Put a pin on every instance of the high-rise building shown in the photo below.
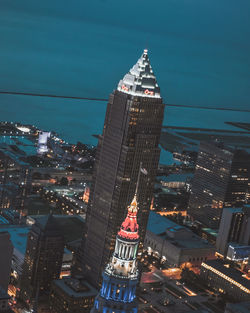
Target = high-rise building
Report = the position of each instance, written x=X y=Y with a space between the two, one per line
x=238 y=188
x=234 y=228
x=221 y=178
x=43 y=259
x=15 y=180
x=6 y=251
x=120 y=276
x=130 y=137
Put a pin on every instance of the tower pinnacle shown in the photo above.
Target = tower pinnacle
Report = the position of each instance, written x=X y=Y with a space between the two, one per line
x=140 y=80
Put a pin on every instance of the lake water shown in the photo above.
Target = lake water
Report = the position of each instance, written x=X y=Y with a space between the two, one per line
x=199 y=50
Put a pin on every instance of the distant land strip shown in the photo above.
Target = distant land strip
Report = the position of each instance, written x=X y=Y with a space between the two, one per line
x=103 y=99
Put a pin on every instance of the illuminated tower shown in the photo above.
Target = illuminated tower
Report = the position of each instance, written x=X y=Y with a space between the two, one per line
x=131 y=135
x=120 y=276
x=42 y=142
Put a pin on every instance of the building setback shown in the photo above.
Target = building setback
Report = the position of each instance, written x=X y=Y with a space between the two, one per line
x=43 y=259
x=130 y=137
x=221 y=178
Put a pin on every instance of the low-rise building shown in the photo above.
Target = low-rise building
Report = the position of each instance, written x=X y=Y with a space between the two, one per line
x=70 y=295
x=177 y=244
x=225 y=279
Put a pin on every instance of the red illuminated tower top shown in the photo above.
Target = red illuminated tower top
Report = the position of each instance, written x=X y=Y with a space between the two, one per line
x=129 y=228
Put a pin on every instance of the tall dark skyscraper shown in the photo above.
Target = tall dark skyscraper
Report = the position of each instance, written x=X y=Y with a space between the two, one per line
x=221 y=178
x=43 y=258
x=130 y=136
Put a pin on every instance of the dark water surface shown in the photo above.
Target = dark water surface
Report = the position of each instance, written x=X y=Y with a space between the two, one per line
x=199 y=49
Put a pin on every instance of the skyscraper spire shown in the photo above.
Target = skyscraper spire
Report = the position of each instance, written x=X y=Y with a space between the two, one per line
x=129 y=228
x=131 y=134
x=140 y=80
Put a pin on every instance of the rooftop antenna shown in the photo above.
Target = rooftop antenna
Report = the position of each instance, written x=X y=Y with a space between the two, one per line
x=138 y=179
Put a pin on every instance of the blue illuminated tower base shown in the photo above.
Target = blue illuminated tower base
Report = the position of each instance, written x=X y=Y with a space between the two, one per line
x=120 y=277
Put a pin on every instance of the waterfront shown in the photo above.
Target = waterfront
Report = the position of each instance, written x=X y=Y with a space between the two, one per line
x=78 y=120
x=57 y=48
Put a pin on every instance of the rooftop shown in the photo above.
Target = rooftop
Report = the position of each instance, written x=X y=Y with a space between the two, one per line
x=72 y=226
x=75 y=288
x=180 y=177
x=140 y=80
x=210 y=231
x=18 y=235
x=164 y=228
x=158 y=224
x=228 y=271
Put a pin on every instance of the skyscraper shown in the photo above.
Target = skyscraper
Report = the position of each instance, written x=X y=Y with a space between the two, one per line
x=120 y=276
x=43 y=258
x=130 y=136
x=221 y=179
x=234 y=228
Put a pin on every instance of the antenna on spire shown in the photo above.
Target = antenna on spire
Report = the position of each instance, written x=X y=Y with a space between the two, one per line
x=138 y=179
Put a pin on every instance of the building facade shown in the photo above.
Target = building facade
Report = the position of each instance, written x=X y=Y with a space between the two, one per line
x=6 y=251
x=234 y=228
x=174 y=244
x=221 y=179
x=70 y=295
x=130 y=137
x=226 y=280
x=43 y=259
x=120 y=277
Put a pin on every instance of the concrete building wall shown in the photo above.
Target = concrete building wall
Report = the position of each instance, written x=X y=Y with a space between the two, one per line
x=222 y=238
x=174 y=254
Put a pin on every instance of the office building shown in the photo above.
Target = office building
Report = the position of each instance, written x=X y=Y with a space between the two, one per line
x=174 y=244
x=226 y=280
x=70 y=295
x=130 y=137
x=43 y=259
x=6 y=251
x=120 y=276
x=221 y=178
x=234 y=229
